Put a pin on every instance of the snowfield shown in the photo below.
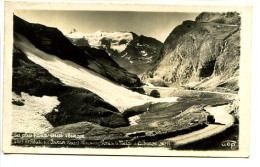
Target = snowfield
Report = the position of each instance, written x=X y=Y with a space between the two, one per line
x=94 y=39
x=75 y=75
x=29 y=118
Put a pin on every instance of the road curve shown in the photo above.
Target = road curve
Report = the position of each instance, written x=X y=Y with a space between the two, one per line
x=223 y=121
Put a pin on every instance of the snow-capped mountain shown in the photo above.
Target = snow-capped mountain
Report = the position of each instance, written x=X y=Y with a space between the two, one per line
x=132 y=52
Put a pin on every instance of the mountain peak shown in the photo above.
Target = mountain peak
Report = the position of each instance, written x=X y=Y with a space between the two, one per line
x=73 y=31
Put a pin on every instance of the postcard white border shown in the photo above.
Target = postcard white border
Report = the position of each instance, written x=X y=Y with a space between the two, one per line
x=245 y=76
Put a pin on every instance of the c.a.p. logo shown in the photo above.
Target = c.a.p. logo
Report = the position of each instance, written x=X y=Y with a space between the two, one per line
x=230 y=144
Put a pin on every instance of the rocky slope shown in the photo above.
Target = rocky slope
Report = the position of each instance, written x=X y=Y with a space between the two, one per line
x=132 y=52
x=52 y=41
x=76 y=104
x=202 y=54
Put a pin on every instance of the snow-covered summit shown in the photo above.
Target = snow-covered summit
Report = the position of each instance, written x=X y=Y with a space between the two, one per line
x=114 y=40
x=133 y=52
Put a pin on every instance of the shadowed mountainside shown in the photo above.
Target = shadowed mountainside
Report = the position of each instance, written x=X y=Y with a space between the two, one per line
x=52 y=41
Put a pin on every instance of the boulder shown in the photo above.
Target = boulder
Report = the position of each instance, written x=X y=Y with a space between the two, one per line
x=155 y=93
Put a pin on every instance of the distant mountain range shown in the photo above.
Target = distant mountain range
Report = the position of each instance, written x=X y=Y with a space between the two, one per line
x=132 y=52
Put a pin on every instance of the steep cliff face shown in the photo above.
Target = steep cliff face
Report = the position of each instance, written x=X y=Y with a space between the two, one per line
x=202 y=54
x=52 y=41
x=132 y=52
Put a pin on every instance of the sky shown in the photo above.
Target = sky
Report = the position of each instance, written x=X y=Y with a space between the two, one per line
x=153 y=24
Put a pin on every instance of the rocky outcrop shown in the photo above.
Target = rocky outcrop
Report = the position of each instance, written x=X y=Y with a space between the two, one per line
x=203 y=53
x=232 y=18
x=76 y=104
x=52 y=41
x=132 y=52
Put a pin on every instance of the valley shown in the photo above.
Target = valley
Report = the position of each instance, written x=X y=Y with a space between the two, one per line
x=78 y=86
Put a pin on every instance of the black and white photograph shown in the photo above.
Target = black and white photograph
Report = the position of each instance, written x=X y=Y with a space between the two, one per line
x=156 y=81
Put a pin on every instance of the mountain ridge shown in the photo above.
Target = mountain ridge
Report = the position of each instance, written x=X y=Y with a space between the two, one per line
x=131 y=51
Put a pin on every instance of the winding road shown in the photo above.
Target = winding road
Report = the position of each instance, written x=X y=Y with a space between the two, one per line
x=223 y=121
x=221 y=114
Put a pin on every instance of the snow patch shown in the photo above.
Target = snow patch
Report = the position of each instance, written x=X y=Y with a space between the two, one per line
x=144 y=54
x=119 y=48
x=29 y=118
x=133 y=120
x=124 y=55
